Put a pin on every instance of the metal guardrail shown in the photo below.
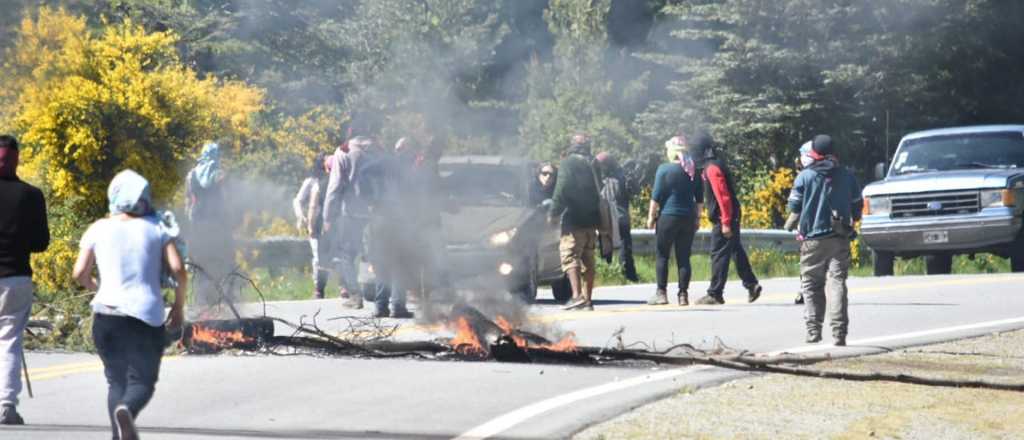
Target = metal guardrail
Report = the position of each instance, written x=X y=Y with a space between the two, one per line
x=286 y=252
x=778 y=239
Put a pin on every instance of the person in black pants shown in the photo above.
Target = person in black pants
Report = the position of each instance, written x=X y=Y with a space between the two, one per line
x=724 y=213
x=674 y=213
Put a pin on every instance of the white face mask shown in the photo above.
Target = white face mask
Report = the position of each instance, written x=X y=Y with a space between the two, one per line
x=806 y=161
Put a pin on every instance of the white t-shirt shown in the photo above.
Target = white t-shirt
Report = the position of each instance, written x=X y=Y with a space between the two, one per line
x=129 y=257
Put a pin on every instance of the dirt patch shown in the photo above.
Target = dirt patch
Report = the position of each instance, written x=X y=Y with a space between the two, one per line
x=779 y=406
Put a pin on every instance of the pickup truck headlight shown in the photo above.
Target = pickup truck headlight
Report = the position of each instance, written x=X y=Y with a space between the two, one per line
x=997 y=198
x=877 y=206
x=502 y=238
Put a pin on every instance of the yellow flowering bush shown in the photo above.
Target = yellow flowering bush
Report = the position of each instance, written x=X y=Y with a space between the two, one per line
x=87 y=106
x=764 y=198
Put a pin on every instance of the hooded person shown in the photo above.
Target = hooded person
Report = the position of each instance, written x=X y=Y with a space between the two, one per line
x=576 y=201
x=211 y=247
x=23 y=231
x=724 y=212
x=826 y=201
x=129 y=249
x=674 y=213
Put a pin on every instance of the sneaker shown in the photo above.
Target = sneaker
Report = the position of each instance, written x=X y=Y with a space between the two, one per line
x=343 y=294
x=10 y=416
x=753 y=293
x=578 y=304
x=381 y=313
x=353 y=302
x=708 y=300
x=813 y=337
x=660 y=298
x=318 y=294
x=839 y=341
x=683 y=297
x=401 y=313
x=799 y=299
x=125 y=423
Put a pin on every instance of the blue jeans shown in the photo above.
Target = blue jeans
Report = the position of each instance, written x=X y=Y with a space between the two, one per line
x=131 y=351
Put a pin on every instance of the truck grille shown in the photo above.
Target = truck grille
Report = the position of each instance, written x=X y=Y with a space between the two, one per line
x=935 y=204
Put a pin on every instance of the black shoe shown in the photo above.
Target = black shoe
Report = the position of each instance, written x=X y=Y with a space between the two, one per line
x=10 y=416
x=813 y=338
x=683 y=297
x=125 y=423
x=753 y=293
x=401 y=313
x=631 y=276
x=799 y=299
x=381 y=313
x=839 y=341
x=719 y=299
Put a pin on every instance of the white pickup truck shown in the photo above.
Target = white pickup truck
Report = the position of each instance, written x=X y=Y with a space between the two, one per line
x=948 y=191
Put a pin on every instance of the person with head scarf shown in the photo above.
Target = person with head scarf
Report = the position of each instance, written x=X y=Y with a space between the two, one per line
x=23 y=231
x=308 y=208
x=576 y=202
x=723 y=206
x=826 y=202
x=674 y=214
x=614 y=188
x=129 y=249
x=211 y=247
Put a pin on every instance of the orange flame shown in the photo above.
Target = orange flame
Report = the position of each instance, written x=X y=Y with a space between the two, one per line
x=466 y=340
x=218 y=338
x=567 y=343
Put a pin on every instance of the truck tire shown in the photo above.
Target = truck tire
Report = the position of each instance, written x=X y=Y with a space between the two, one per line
x=938 y=264
x=884 y=263
x=562 y=290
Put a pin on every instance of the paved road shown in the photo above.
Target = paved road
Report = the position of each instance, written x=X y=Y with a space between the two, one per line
x=246 y=397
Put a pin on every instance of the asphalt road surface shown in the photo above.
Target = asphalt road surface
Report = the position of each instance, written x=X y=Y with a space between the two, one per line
x=300 y=397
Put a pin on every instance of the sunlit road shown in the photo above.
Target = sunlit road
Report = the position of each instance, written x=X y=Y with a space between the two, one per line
x=238 y=397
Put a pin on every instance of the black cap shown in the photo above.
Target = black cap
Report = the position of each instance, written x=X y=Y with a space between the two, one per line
x=702 y=146
x=822 y=144
x=8 y=141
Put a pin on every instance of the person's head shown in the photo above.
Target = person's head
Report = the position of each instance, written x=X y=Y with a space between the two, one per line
x=129 y=194
x=211 y=152
x=319 y=167
x=821 y=147
x=360 y=143
x=701 y=146
x=547 y=174
x=579 y=144
x=8 y=156
x=675 y=147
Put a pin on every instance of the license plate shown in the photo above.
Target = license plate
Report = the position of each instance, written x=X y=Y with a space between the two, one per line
x=936 y=237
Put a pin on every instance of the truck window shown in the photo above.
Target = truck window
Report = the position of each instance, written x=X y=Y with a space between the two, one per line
x=961 y=151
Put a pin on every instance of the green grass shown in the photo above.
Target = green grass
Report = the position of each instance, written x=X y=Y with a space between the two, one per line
x=293 y=284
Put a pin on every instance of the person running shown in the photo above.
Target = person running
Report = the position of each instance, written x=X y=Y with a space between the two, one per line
x=129 y=249
x=724 y=213
x=308 y=207
x=23 y=231
x=674 y=214
x=826 y=201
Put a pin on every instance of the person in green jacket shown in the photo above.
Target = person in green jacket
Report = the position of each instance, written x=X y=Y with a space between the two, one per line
x=576 y=203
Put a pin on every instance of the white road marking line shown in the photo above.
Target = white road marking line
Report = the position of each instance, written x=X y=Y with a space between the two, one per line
x=502 y=423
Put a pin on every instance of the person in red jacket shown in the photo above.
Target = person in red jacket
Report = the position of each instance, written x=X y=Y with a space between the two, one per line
x=724 y=212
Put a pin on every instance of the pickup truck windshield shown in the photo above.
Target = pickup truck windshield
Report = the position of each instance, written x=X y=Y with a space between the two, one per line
x=960 y=151
x=479 y=184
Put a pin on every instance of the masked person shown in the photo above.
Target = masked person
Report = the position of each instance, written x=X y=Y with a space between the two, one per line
x=577 y=202
x=615 y=190
x=724 y=213
x=674 y=213
x=129 y=248
x=355 y=182
x=802 y=161
x=23 y=231
x=210 y=245
x=825 y=203
x=308 y=207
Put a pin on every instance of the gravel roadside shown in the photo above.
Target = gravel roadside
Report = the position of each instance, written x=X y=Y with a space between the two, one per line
x=779 y=406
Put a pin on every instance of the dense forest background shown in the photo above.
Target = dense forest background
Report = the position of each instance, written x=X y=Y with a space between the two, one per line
x=94 y=86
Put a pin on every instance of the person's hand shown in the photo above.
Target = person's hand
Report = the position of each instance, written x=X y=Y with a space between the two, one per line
x=792 y=222
x=727 y=231
x=651 y=222
x=176 y=318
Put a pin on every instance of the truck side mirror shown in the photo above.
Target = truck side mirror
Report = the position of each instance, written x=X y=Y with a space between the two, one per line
x=880 y=171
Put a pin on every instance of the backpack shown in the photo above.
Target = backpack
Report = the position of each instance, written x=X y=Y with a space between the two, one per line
x=371 y=180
